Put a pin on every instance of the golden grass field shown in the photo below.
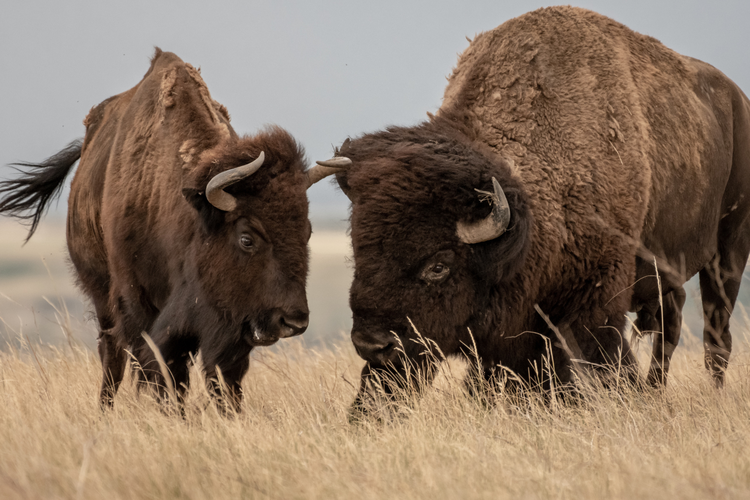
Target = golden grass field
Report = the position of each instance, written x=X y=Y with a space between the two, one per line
x=293 y=438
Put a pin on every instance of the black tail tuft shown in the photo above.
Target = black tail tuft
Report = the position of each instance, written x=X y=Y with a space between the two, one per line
x=26 y=197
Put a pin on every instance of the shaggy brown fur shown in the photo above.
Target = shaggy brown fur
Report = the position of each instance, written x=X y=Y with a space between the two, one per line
x=612 y=149
x=155 y=256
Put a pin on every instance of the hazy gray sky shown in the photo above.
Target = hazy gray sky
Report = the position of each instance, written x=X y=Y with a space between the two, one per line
x=321 y=69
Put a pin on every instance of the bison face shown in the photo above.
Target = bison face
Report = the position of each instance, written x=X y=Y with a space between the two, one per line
x=250 y=253
x=420 y=282
x=274 y=293
x=404 y=307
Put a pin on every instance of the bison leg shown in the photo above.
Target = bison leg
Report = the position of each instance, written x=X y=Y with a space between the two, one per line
x=178 y=365
x=483 y=384
x=387 y=382
x=664 y=342
x=112 y=355
x=719 y=288
x=114 y=360
x=225 y=362
x=227 y=389
x=175 y=350
x=606 y=350
x=531 y=361
x=360 y=407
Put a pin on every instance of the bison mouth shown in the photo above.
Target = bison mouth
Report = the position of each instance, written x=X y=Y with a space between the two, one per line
x=256 y=335
x=270 y=326
x=376 y=347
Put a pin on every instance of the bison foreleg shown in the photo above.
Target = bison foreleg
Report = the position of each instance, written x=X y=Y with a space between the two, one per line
x=483 y=384
x=174 y=351
x=664 y=342
x=384 y=384
x=114 y=360
x=606 y=352
x=225 y=384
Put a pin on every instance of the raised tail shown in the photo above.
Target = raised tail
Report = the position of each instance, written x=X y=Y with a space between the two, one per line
x=26 y=197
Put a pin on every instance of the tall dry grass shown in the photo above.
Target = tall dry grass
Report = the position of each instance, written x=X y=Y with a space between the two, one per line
x=293 y=439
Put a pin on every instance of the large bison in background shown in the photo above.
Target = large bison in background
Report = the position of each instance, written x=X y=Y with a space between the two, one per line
x=602 y=152
x=180 y=229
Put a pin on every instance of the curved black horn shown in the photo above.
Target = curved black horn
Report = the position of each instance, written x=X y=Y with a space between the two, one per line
x=215 y=190
x=493 y=225
x=325 y=168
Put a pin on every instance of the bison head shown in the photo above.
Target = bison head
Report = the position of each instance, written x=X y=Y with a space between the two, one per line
x=250 y=247
x=430 y=253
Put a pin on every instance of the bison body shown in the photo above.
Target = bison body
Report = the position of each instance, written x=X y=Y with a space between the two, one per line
x=614 y=153
x=160 y=251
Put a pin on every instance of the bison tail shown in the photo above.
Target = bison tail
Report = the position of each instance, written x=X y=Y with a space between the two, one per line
x=26 y=197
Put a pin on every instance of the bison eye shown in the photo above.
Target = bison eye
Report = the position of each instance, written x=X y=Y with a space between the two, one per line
x=435 y=272
x=247 y=243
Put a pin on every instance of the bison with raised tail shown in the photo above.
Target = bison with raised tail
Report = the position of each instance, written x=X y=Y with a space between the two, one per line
x=598 y=150
x=180 y=229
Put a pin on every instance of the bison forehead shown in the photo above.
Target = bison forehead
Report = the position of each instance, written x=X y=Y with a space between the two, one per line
x=282 y=208
x=405 y=236
x=403 y=224
x=410 y=217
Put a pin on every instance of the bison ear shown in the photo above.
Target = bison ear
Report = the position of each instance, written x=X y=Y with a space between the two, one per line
x=343 y=179
x=211 y=216
x=513 y=247
x=194 y=177
x=195 y=198
x=194 y=181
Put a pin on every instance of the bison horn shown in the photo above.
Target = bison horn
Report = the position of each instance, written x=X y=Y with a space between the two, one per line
x=215 y=190
x=325 y=168
x=493 y=225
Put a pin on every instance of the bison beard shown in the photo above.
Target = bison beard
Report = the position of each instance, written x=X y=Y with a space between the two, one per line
x=618 y=158
x=184 y=235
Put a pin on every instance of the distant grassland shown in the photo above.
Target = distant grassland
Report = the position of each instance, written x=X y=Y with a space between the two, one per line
x=38 y=292
x=37 y=287
x=293 y=439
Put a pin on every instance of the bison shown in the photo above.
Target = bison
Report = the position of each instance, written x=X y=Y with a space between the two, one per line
x=603 y=155
x=180 y=229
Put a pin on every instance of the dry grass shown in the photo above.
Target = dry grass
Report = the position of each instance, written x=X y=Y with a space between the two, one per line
x=293 y=439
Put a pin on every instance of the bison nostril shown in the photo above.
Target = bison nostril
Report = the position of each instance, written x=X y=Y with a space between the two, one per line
x=384 y=349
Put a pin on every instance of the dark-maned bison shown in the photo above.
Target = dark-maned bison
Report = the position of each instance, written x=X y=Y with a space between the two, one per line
x=179 y=228
x=601 y=151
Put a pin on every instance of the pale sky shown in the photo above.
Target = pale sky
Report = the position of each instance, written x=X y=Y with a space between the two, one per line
x=321 y=69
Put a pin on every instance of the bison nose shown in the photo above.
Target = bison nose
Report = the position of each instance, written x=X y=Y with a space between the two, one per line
x=293 y=324
x=373 y=349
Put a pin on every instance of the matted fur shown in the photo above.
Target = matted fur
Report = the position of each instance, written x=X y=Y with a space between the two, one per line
x=613 y=150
